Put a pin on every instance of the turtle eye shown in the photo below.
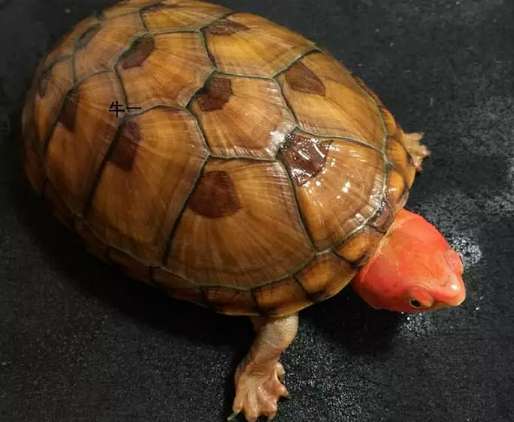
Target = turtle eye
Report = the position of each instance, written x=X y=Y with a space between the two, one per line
x=416 y=304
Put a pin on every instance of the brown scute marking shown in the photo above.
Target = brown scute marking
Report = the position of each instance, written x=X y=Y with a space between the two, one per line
x=43 y=82
x=216 y=94
x=88 y=35
x=69 y=110
x=304 y=157
x=125 y=150
x=138 y=52
x=158 y=6
x=215 y=196
x=302 y=79
x=226 y=27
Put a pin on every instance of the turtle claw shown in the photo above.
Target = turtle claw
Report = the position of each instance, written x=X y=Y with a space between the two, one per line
x=258 y=391
x=416 y=149
x=233 y=416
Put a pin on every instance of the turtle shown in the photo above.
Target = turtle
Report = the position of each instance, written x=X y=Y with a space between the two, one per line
x=234 y=164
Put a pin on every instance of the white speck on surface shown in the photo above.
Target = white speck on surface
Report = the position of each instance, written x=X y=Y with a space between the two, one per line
x=67 y=11
x=417 y=325
x=468 y=249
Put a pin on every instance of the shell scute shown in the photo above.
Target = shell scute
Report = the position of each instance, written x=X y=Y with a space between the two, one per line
x=166 y=69
x=328 y=101
x=343 y=193
x=180 y=15
x=246 y=254
x=102 y=44
x=243 y=117
x=248 y=45
x=145 y=182
x=325 y=276
x=83 y=145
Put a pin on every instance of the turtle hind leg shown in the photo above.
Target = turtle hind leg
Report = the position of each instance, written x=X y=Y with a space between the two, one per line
x=259 y=376
x=417 y=151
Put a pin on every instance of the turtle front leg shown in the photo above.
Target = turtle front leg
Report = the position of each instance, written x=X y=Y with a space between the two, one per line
x=416 y=149
x=259 y=376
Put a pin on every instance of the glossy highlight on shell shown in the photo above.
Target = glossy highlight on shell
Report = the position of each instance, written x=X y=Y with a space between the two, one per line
x=249 y=171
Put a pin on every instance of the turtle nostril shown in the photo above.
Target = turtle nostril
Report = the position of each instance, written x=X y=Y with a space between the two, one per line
x=415 y=303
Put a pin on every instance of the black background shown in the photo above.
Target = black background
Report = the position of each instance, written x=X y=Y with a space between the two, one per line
x=80 y=342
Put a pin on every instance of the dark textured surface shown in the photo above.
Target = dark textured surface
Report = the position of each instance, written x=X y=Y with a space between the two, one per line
x=80 y=342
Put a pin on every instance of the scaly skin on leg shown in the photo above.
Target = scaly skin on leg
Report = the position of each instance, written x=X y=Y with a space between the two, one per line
x=418 y=151
x=258 y=377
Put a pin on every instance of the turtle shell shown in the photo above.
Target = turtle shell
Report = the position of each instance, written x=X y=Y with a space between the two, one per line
x=214 y=154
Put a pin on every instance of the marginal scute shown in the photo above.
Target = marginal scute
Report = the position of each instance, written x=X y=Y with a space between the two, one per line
x=248 y=45
x=215 y=196
x=54 y=89
x=33 y=166
x=175 y=15
x=216 y=94
x=93 y=244
x=397 y=190
x=67 y=45
x=130 y=265
x=167 y=280
x=281 y=298
x=304 y=157
x=43 y=82
x=401 y=160
x=361 y=246
x=326 y=276
x=231 y=301
x=58 y=207
x=126 y=146
x=193 y=295
x=226 y=27
x=127 y=7
x=69 y=110
x=383 y=218
x=88 y=35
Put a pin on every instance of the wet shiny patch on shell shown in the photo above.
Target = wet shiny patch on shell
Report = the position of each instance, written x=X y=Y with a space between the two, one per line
x=138 y=52
x=226 y=27
x=69 y=110
x=88 y=35
x=302 y=79
x=216 y=94
x=125 y=150
x=304 y=157
x=383 y=219
x=215 y=196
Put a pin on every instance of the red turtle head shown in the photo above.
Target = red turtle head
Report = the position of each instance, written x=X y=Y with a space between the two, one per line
x=414 y=269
